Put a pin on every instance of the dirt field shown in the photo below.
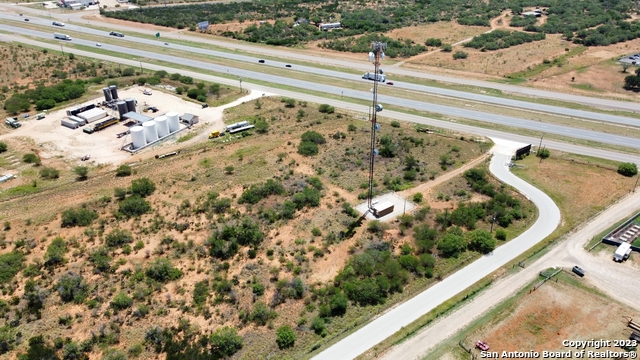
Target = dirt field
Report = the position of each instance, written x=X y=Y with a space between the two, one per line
x=577 y=189
x=555 y=312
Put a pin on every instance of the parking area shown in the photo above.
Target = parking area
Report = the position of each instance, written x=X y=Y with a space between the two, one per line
x=632 y=59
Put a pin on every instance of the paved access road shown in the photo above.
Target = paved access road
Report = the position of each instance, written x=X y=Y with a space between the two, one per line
x=342 y=75
x=618 y=280
x=561 y=130
x=404 y=314
x=361 y=66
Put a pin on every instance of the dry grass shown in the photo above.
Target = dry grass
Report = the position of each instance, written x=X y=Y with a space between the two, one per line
x=580 y=186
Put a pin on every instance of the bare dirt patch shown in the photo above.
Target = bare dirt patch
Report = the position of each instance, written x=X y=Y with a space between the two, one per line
x=541 y=320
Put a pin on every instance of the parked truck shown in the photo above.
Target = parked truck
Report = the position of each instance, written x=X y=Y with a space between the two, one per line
x=62 y=36
x=375 y=77
x=622 y=252
x=13 y=122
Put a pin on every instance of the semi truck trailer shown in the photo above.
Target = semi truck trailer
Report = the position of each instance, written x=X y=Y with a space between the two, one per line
x=375 y=77
x=62 y=36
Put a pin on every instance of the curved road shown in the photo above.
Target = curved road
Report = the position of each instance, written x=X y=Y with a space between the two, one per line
x=505 y=102
x=561 y=130
x=362 y=66
x=601 y=272
x=404 y=314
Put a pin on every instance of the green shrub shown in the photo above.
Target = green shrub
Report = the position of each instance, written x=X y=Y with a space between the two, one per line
x=481 y=241
x=628 y=169
x=49 y=173
x=121 y=301
x=72 y=287
x=118 y=237
x=417 y=198
x=78 y=217
x=10 y=265
x=55 y=252
x=31 y=159
x=446 y=48
x=501 y=234
x=120 y=193
x=543 y=153
x=225 y=342
x=82 y=172
x=460 y=55
x=142 y=187
x=395 y=124
x=314 y=137
x=123 y=170
x=3 y=147
x=285 y=337
x=134 y=206
x=261 y=314
x=318 y=326
x=162 y=270
x=326 y=109
x=308 y=148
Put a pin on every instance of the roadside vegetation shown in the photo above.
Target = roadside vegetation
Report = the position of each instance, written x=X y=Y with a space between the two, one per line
x=590 y=22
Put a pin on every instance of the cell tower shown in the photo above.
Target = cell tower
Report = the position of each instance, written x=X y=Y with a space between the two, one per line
x=376 y=54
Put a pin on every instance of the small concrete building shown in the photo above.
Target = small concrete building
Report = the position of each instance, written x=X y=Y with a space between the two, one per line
x=383 y=208
x=189 y=119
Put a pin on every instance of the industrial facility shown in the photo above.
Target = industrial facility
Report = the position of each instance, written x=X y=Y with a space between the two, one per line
x=148 y=132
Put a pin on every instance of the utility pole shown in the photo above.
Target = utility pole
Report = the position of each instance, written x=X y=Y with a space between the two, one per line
x=240 y=80
x=376 y=54
x=493 y=220
x=142 y=71
x=636 y=185
x=61 y=49
x=540 y=146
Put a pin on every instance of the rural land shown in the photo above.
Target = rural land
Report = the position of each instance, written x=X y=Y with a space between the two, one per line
x=213 y=180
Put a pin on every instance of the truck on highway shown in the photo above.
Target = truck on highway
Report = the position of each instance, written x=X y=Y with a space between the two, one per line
x=622 y=252
x=118 y=34
x=375 y=77
x=62 y=36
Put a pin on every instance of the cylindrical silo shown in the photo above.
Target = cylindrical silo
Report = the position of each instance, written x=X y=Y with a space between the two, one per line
x=174 y=122
x=114 y=92
x=137 y=137
x=122 y=109
x=162 y=126
x=131 y=104
x=107 y=94
x=150 y=131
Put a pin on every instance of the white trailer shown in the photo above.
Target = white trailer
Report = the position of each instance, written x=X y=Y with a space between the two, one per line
x=622 y=252
x=375 y=77
x=62 y=36
x=70 y=124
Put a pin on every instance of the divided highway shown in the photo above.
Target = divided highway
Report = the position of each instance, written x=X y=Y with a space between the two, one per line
x=561 y=130
x=341 y=75
x=361 y=66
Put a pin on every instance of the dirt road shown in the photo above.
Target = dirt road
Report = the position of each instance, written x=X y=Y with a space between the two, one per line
x=444 y=178
x=601 y=272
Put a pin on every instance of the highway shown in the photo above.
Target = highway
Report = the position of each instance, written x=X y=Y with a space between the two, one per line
x=561 y=130
x=402 y=315
x=361 y=66
x=395 y=115
x=505 y=102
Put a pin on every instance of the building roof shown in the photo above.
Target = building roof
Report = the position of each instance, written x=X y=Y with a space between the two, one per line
x=92 y=112
x=188 y=117
x=139 y=118
x=382 y=205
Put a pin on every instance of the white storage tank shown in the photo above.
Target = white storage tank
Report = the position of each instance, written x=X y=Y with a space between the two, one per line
x=162 y=126
x=150 y=131
x=174 y=121
x=137 y=137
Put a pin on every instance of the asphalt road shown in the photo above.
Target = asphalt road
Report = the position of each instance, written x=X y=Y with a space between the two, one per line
x=565 y=131
x=362 y=66
x=341 y=75
x=409 y=311
x=601 y=272
x=453 y=126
